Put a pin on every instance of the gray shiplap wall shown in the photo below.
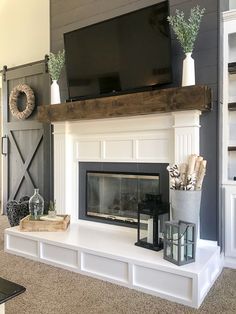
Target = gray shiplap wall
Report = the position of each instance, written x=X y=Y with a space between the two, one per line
x=72 y=14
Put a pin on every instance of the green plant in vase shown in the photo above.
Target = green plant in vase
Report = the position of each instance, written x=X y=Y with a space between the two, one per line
x=56 y=63
x=52 y=209
x=186 y=32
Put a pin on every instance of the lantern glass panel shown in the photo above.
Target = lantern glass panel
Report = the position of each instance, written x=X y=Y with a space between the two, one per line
x=146 y=228
x=161 y=224
x=183 y=232
x=174 y=234
x=190 y=234
x=168 y=249
x=182 y=238
x=189 y=253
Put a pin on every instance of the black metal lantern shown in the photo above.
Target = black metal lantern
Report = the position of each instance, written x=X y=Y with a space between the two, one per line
x=152 y=214
x=179 y=242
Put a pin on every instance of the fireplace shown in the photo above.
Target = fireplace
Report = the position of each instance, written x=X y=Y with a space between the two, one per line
x=141 y=144
x=111 y=192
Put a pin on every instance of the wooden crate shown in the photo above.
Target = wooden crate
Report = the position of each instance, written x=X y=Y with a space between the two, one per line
x=42 y=225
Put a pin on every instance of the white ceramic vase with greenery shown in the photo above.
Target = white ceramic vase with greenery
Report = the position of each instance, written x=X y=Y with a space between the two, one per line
x=55 y=65
x=186 y=32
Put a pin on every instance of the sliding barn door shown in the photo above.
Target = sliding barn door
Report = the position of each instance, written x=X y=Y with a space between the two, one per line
x=26 y=144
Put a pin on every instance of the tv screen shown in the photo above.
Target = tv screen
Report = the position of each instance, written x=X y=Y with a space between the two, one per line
x=128 y=53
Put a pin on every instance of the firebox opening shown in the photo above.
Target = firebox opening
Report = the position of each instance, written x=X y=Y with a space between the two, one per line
x=115 y=196
x=110 y=192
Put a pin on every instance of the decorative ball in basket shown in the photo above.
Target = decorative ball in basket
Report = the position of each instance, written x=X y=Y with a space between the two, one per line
x=17 y=210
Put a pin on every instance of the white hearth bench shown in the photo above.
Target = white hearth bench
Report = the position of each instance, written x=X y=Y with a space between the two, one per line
x=108 y=252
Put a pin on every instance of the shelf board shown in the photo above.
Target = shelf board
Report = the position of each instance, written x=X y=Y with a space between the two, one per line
x=196 y=97
x=229 y=182
x=232 y=67
x=232 y=148
x=232 y=106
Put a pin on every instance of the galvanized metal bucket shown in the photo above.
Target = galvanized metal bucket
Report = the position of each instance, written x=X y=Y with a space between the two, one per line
x=185 y=205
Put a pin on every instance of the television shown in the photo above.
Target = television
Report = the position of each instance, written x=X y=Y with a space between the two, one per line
x=124 y=54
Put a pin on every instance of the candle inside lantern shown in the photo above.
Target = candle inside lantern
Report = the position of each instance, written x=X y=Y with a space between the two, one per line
x=175 y=247
x=150 y=231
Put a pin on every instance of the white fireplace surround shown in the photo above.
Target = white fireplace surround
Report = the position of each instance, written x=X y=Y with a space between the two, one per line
x=156 y=138
x=108 y=252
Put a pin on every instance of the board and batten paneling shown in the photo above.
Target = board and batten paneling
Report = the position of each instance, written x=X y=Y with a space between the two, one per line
x=72 y=14
x=27 y=154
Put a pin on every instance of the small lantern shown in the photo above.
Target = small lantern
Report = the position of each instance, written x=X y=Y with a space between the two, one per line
x=152 y=214
x=179 y=242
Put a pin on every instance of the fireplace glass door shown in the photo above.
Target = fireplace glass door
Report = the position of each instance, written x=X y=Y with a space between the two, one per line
x=115 y=196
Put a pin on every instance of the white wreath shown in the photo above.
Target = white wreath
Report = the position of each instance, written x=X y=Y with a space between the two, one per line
x=30 y=101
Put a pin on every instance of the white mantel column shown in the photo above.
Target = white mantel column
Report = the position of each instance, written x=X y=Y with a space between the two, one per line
x=60 y=167
x=186 y=129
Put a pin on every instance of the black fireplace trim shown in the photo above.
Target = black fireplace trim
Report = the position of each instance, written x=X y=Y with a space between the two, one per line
x=123 y=168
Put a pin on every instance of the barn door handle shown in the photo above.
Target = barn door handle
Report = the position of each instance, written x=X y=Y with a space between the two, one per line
x=4 y=145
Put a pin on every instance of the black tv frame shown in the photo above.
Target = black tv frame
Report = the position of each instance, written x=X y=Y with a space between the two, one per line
x=128 y=91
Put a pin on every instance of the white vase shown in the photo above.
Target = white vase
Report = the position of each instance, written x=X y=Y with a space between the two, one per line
x=55 y=93
x=188 y=74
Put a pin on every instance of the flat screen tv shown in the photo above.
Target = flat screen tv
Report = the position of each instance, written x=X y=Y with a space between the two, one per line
x=127 y=53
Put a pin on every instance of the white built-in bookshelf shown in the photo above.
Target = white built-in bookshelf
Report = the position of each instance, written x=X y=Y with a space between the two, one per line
x=228 y=134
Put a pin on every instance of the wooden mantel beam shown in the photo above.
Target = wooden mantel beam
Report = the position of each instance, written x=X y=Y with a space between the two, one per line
x=197 y=97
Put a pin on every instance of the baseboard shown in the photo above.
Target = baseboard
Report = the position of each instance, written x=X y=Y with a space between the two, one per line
x=230 y=262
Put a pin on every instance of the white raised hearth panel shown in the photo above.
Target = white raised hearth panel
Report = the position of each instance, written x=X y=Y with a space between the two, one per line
x=25 y=246
x=59 y=255
x=105 y=267
x=156 y=138
x=163 y=282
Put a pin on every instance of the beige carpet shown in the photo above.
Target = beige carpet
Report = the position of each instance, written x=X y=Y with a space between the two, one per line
x=51 y=290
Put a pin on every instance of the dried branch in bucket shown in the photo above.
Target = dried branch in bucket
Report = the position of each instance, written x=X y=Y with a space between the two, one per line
x=188 y=176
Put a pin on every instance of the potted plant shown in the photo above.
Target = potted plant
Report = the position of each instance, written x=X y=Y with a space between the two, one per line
x=56 y=62
x=52 y=209
x=186 y=32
